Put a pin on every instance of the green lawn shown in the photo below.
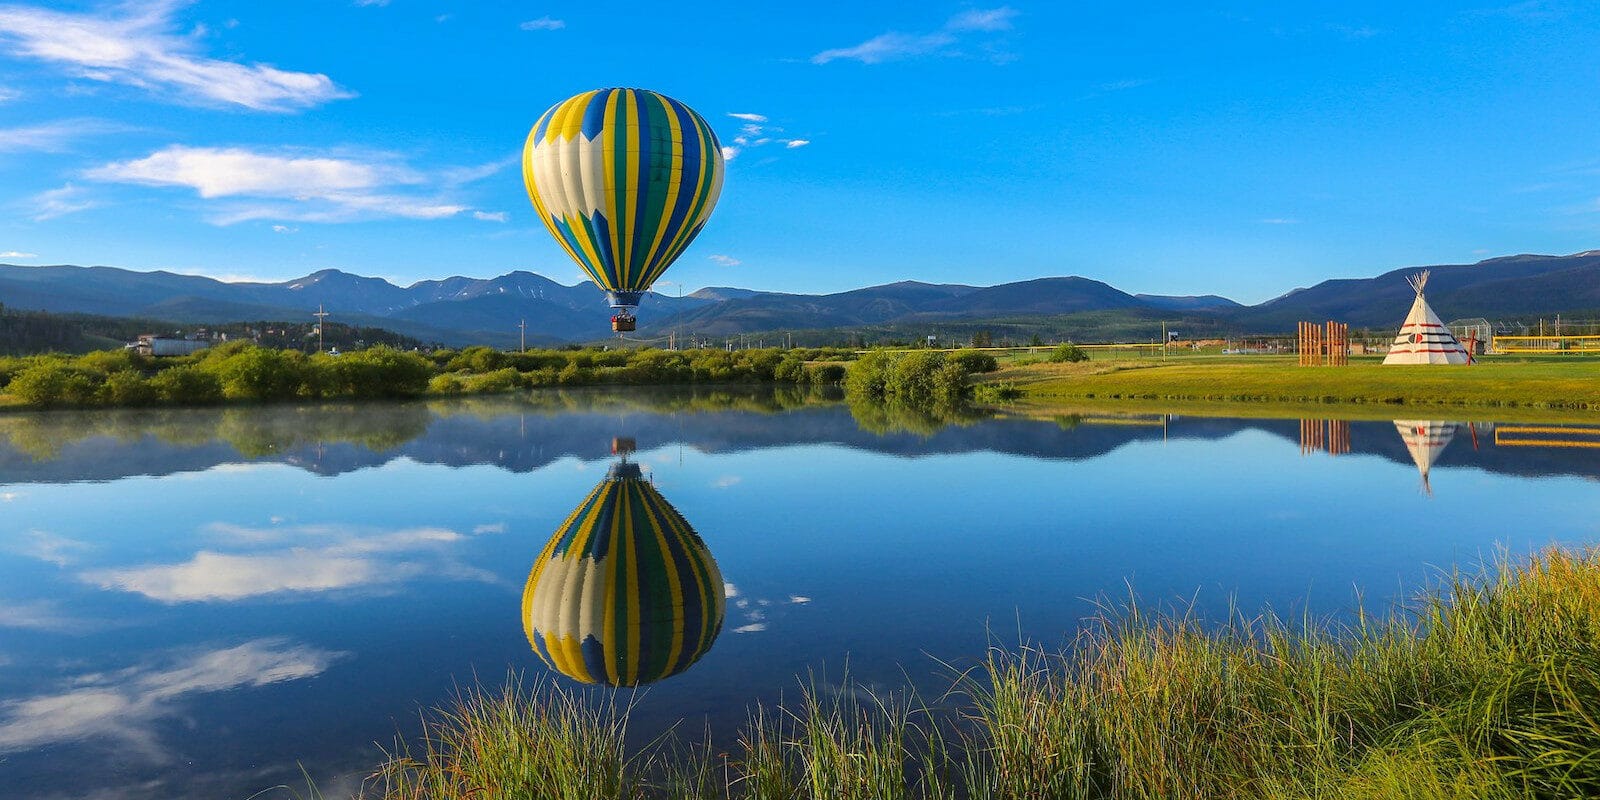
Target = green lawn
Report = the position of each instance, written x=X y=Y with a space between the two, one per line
x=1531 y=383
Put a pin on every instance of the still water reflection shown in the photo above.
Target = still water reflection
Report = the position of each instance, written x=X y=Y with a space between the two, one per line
x=191 y=603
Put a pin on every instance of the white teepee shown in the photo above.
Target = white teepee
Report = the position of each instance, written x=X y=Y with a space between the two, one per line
x=1425 y=440
x=1423 y=338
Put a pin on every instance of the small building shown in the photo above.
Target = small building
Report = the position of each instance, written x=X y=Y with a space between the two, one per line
x=150 y=344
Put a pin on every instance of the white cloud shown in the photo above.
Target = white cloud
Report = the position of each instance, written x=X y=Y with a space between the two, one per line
x=799 y=599
x=137 y=45
x=729 y=153
x=754 y=627
x=894 y=45
x=124 y=706
x=41 y=615
x=318 y=558
x=54 y=203
x=543 y=24
x=288 y=187
x=793 y=143
x=371 y=3
x=1280 y=221
x=747 y=117
x=726 y=261
x=52 y=548
x=8 y=94
x=993 y=19
x=493 y=527
x=729 y=590
x=53 y=137
x=490 y=216
x=726 y=481
x=6 y=496
x=284 y=229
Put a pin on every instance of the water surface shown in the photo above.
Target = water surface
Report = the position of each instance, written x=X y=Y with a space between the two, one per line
x=194 y=602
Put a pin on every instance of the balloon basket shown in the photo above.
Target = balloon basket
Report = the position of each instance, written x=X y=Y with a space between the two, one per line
x=623 y=323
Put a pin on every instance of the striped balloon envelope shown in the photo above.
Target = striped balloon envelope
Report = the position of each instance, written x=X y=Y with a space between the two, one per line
x=624 y=179
x=625 y=592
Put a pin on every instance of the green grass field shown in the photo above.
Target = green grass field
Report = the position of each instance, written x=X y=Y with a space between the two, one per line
x=1570 y=384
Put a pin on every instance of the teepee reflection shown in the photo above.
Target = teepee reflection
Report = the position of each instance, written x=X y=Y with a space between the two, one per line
x=625 y=592
x=1425 y=440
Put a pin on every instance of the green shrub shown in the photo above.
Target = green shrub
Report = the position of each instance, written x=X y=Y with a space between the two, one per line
x=127 y=387
x=259 y=373
x=827 y=374
x=1067 y=352
x=446 y=383
x=975 y=361
x=186 y=385
x=50 y=384
x=500 y=380
x=378 y=372
x=790 y=370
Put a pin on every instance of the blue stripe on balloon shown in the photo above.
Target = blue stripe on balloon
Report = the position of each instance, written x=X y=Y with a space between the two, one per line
x=594 y=117
x=594 y=659
x=639 y=241
x=693 y=163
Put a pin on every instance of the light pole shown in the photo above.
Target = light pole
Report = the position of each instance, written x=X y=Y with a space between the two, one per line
x=322 y=318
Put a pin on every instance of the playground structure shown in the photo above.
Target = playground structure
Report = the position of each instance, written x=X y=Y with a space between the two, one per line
x=1582 y=436
x=1552 y=344
x=1323 y=345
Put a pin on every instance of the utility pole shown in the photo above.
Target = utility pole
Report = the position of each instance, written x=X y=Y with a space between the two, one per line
x=1164 y=340
x=523 y=326
x=322 y=317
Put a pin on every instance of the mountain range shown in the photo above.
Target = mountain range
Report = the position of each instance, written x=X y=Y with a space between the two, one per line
x=460 y=310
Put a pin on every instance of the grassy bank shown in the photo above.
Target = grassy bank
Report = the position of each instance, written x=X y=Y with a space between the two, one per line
x=1495 y=383
x=1483 y=688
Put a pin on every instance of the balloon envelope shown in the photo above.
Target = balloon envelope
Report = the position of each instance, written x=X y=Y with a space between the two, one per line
x=625 y=592
x=624 y=179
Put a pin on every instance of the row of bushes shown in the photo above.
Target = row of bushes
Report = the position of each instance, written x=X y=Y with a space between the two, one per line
x=236 y=371
x=915 y=378
x=244 y=372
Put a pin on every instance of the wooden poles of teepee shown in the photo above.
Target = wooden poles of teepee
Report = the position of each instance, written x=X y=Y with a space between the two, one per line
x=1327 y=344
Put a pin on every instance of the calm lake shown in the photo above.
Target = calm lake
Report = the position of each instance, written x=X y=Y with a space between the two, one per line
x=198 y=603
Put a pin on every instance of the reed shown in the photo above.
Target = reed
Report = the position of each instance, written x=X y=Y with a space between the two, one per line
x=1486 y=686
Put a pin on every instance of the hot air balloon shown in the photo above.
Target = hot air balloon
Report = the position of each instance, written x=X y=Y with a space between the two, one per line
x=625 y=592
x=624 y=179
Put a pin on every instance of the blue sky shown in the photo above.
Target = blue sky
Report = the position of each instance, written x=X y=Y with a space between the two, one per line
x=1238 y=148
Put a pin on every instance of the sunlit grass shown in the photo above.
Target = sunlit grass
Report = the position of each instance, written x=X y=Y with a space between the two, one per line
x=1501 y=383
x=1487 y=686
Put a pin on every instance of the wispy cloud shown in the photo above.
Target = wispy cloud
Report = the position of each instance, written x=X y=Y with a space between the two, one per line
x=8 y=94
x=125 y=706
x=756 y=132
x=1280 y=221
x=137 y=44
x=1354 y=31
x=371 y=3
x=543 y=24
x=726 y=261
x=53 y=137
x=52 y=548
x=726 y=481
x=284 y=229
x=303 y=560
x=60 y=202
x=17 y=254
x=40 y=615
x=490 y=216
x=895 y=45
x=294 y=187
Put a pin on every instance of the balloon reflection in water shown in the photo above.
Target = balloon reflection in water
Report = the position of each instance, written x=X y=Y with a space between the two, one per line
x=625 y=592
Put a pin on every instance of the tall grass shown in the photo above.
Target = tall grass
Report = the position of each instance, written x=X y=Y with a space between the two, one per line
x=1487 y=686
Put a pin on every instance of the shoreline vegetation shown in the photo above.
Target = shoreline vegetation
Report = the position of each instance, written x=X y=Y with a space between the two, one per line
x=1484 y=686
x=922 y=388
x=240 y=372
